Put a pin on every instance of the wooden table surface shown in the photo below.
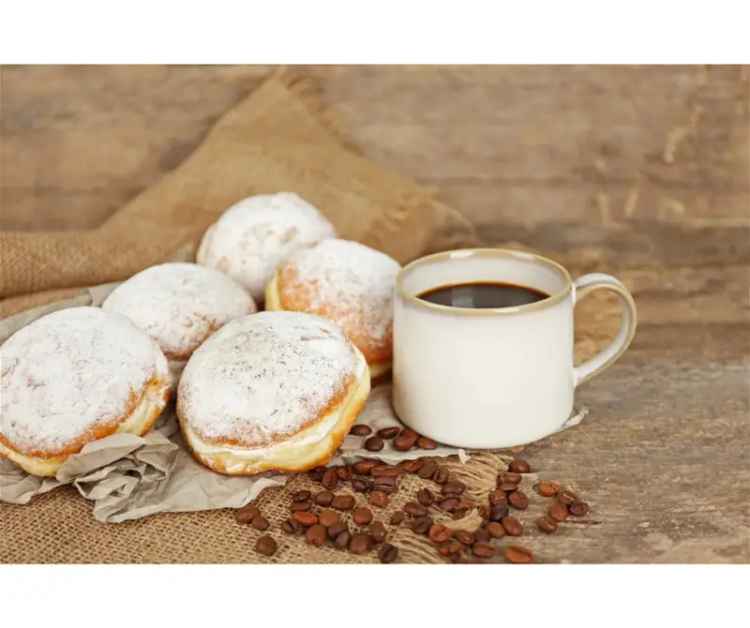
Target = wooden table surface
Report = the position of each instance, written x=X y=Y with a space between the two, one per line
x=640 y=172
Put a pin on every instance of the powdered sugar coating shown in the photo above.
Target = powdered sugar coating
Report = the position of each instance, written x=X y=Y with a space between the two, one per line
x=70 y=372
x=180 y=305
x=252 y=237
x=347 y=282
x=263 y=377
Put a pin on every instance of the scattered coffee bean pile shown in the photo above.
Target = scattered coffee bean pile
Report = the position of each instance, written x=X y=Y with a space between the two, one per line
x=337 y=519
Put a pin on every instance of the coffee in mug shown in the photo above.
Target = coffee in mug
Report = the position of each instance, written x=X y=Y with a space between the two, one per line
x=482 y=294
x=483 y=345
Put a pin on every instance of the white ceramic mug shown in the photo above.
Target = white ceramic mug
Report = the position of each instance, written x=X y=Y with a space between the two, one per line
x=490 y=378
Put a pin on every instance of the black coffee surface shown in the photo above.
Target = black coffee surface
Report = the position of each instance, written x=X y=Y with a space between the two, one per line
x=483 y=294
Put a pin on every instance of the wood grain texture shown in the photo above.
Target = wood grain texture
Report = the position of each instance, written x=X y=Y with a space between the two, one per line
x=642 y=172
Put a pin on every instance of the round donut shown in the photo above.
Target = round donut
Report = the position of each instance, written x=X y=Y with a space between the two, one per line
x=253 y=236
x=179 y=306
x=275 y=391
x=348 y=283
x=72 y=377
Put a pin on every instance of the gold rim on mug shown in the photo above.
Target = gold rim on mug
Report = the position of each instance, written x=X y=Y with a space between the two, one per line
x=458 y=254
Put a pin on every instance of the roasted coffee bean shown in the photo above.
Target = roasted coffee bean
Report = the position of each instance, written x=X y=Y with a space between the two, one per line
x=513 y=527
x=546 y=525
x=547 y=488
x=422 y=525
x=377 y=532
x=343 y=539
x=344 y=473
x=450 y=505
x=508 y=477
x=386 y=484
x=361 y=486
x=374 y=443
x=483 y=550
x=438 y=533
x=266 y=545
x=290 y=526
x=519 y=465
x=397 y=518
x=387 y=553
x=386 y=480
x=328 y=518
x=260 y=523
x=415 y=509
x=453 y=487
x=324 y=498
x=360 y=430
x=566 y=497
x=330 y=479
x=379 y=499
x=427 y=469
x=498 y=496
x=411 y=466
x=464 y=536
x=388 y=432
x=343 y=502
x=405 y=440
x=363 y=467
x=385 y=471
x=441 y=475
x=305 y=518
x=316 y=535
x=481 y=535
x=483 y=511
x=425 y=497
x=507 y=487
x=336 y=529
x=578 y=509
x=518 y=500
x=246 y=514
x=301 y=496
x=497 y=512
x=316 y=474
x=558 y=512
x=426 y=443
x=495 y=529
x=297 y=506
x=450 y=548
x=518 y=554
x=362 y=516
x=360 y=543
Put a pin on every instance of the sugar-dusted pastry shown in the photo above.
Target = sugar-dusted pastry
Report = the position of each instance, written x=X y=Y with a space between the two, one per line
x=73 y=377
x=273 y=391
x=348 y=283
x=179 y=306
x=253 y=236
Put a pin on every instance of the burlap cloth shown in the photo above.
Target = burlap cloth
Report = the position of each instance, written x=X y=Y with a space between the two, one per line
x=278 y=138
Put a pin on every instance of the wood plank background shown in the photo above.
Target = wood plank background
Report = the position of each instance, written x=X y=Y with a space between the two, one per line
x=643 y=172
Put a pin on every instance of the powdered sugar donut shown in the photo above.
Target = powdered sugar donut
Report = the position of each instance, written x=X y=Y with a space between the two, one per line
x=272 y=391
x=253 y=236
x=348 y=283
x=72 y=377
x=179 y=306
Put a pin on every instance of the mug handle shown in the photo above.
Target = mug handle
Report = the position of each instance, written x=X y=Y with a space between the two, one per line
x=628 y=321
